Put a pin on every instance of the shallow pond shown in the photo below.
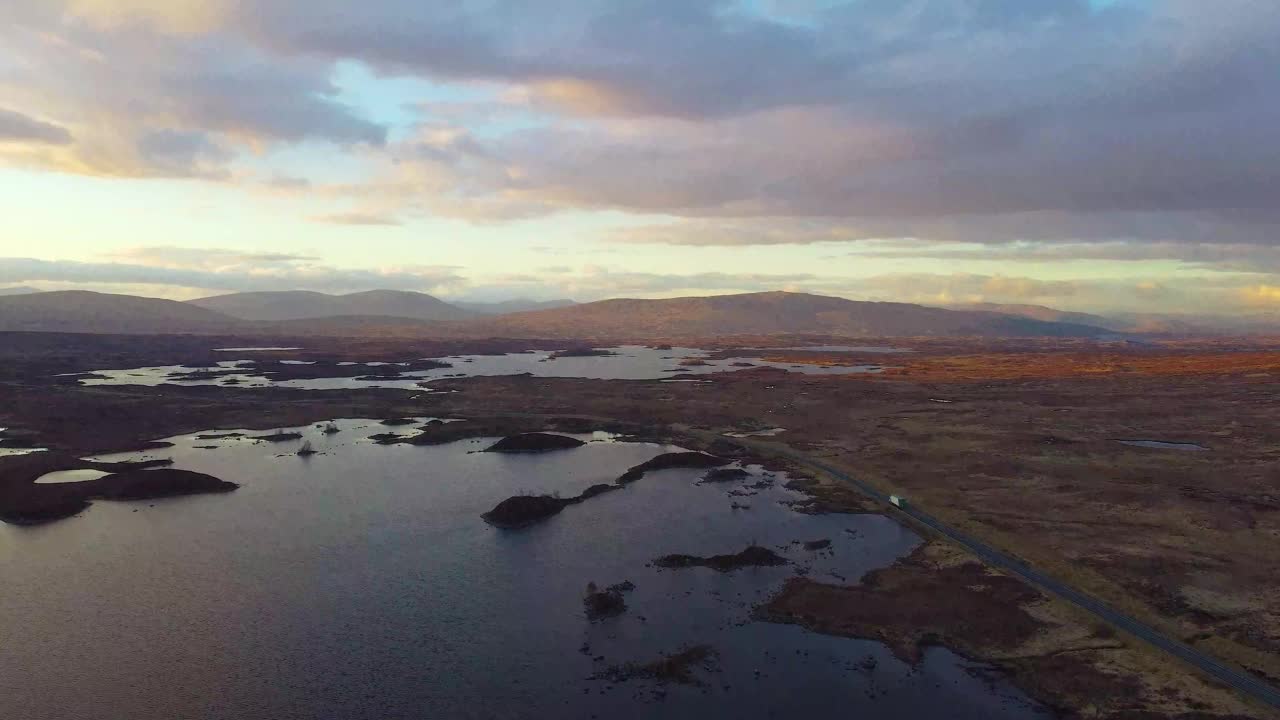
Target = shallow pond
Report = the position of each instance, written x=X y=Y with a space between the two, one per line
x=70 y=476
x=632 y=362
x=362 y=583
x=9 y=452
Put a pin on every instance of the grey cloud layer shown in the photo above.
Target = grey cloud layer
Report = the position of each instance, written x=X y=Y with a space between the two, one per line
x=148 y=103
x=972 y=120
x=1024 y=120
x=16 y=126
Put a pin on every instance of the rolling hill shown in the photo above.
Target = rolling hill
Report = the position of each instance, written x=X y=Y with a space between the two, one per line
x=1041 y=312
x=393 y=314
x=1146 y=323
x=306 y=305
x=767 y=313
x=92 y=312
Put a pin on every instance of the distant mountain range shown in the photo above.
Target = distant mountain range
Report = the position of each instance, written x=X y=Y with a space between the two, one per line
x=305 y=305
x=20 y=290
x=1040 y=312
x=410 y=314
x=91 y=312
x=1142 y=323
x=768 y=313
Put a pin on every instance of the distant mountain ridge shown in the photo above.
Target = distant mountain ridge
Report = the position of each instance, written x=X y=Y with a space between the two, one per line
x=1041 y=312
x=83 y=311
x=309 y=305
x=767 y=313
x=1149 y=323
x=418 y=315
x=19 y=290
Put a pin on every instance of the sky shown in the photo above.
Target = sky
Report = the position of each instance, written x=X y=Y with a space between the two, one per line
x=1105 y=156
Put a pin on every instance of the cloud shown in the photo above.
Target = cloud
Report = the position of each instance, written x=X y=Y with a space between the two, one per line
x=358 y=218
x=171 y=256
x=15 y=126
x=594 y=282
x=1262 y=295
x=141 y=101
x=287 y=183
x=1030 y=239
x=1220 y=257
x=177 y=16
x=1110 y=231
x=937 y=289
x=729 y=233
x=246 y=274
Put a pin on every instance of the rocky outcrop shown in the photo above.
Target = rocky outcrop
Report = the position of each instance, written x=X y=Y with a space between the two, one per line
x=534 y=442
x=523 y=510
x=720 y=475
x=753 y=556
x=667 y=461
x=158 y=483
x=607 y=603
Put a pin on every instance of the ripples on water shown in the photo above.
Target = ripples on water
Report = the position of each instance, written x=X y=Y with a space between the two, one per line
x=362 y=583
x=631 y=362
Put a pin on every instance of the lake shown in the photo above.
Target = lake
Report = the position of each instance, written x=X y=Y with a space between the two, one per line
x=362 y=583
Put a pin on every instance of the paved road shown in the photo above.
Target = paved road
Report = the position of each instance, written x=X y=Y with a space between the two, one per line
x=1241 y=681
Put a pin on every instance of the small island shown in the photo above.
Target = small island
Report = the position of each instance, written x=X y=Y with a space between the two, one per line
x=673 y=460
x=607 y=603
x=25 y=502
x=752 y=556
x=523 y=510
x=720 y=475
x=157 y=483
x=534 y=442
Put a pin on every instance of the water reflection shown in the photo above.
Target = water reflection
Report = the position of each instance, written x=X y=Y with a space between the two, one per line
x=361 y=583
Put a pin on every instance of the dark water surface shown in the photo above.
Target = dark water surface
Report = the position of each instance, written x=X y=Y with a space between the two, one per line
x=361 y=583
x=630 y=362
